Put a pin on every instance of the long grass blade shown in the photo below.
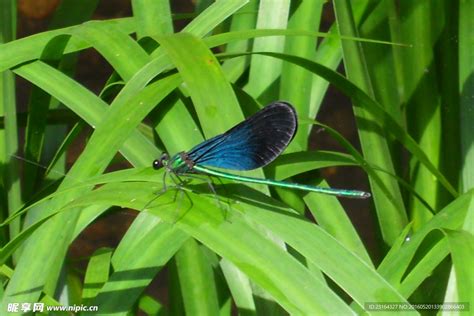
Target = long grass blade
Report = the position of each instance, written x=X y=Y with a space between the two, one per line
x=153 y=17
x=244 y=19
x=271 y=15
x=196 y=276
x=423 y=108
x=9 y=167
x=306 y=16
x=97 y=273
x=466 y=90
x=391 y=211
x=161 y=240
x=30 y=48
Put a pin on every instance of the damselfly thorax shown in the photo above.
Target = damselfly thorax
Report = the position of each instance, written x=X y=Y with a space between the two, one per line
x=179 y=164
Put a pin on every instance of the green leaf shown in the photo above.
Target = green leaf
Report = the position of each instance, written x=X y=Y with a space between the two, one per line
x=133 y=272
x=466 y=88
x=196 y=280
x=150 y=306
x=395 y=265
x=153 y=17
x=424 y=105
x=240 y=287
x=390 y=209
x=199 y=62
x=9 y=167
x=112 y=43
x=332 y=217
x=85 y=104
x=97 y=273
x=306 y=16
x=30 y=48
x=244 y=19
x=288 y=165
x=461 y=245
x=215 y=14
x=271 y=15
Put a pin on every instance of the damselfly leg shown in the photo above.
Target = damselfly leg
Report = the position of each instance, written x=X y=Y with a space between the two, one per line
x=212 y=189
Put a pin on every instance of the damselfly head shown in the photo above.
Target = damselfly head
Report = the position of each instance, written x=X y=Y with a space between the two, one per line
x=163 y=161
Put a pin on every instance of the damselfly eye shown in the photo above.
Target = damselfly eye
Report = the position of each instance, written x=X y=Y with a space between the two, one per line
x=157 y=164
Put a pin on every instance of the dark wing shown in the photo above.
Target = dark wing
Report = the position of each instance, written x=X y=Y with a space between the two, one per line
x=251 y=144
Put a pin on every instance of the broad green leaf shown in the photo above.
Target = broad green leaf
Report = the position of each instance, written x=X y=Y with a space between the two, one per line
x=306 y=16
x=244 y=19
x=461 y=244
x=112 y=44
x=219 y=107
x=240 y=288
x=331 y=216
x=132 y=272
x=153 y=17
x=97 y=273
x=196 y=280
x=271 y=15
x=150 y=305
